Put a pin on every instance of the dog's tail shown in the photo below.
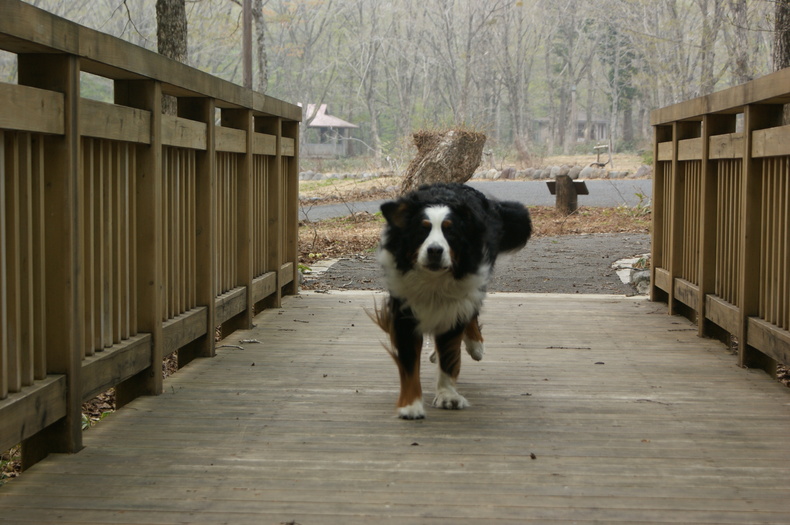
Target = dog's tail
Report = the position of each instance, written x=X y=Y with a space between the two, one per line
x=516 y=225
x=382 y=316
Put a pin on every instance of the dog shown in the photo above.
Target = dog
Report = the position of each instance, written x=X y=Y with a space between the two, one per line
x=437 y=252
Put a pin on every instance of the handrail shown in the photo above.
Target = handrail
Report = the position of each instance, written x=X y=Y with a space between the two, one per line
x=721 y=221
x=127 y=234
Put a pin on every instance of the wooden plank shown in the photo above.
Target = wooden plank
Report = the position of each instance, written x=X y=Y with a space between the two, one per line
x=231 y=140
x=769 y=89
x=642 y=436
x=664 y=151
x=27 y=29
x=690 y=149
x=662 y=279
x=727 y=146
x=286 y=274
x=287 y=147
x=722 y=313
x=264 y=286
x=31 y=109
x=771 y=142
x=32 y=410
x=687 y=293
x=114 y=365
x=263 y=144
x=230 y=304
x=114 y=122
x=183 y=329
x=769 y=339
x=183 y=133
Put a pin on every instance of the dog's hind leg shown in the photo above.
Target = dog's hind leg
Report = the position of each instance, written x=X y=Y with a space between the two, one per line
x=408 y=345
x=448 y=347
x=473 y=339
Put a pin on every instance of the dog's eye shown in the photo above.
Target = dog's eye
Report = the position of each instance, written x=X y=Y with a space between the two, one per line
x=446 y=224
x=426 y=223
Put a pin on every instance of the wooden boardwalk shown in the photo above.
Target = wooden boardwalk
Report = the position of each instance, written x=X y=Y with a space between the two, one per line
x=621 y=415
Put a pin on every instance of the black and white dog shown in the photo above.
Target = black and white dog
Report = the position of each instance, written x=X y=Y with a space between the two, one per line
x=437 y=251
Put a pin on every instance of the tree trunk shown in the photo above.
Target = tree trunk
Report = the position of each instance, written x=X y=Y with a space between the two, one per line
x=260 y=40
x=449 y=156
x=171 y=38
x=782 y=35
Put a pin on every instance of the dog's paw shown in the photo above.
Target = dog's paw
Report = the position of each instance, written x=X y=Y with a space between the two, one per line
x=476 y=349
x=412 y=411
x=450 y=400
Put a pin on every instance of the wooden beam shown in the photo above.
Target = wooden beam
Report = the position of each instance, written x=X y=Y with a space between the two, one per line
x=241 y=124
x=203 y=110
x=662 y=135
x=290 y=131
x=147 y=95
x=712 y=125
x=32 y=410
x=31 y=109
x=64 y=297
x=274 y=205
x=755 y=118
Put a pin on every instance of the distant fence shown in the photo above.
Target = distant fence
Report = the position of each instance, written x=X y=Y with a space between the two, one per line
x=721 y=220
x=127 y=234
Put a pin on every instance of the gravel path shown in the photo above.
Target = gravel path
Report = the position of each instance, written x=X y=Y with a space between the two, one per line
x=563 y=264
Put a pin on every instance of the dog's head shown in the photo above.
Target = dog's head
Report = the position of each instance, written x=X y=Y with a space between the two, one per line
x=436 y=237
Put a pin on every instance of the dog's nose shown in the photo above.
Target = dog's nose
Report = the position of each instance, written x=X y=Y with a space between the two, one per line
x=435 y=252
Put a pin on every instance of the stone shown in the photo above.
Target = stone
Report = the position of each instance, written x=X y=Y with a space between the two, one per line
x=508 y=173
x=643 y=172
x=574 y=172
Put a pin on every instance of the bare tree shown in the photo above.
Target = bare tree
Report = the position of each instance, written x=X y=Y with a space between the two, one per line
x=781 y=54
x=171 y=38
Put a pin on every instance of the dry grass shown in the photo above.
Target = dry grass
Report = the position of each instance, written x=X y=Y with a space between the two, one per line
x=359 y=234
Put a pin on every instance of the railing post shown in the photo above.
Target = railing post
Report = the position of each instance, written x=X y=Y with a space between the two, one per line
x=64 y=300
x=274 y=250
x=242 y=119
x=658 y=257
x=711 y=125
x=204 y=110
x=147 y=95
x=755 y=117
x=290 y=129
x=680 y=131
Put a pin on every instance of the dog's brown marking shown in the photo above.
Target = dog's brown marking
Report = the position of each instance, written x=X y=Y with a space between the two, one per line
x=448 y=346
x=410 y=386
x=472 y=330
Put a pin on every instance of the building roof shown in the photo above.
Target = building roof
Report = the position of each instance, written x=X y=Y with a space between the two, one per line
x=322 y=120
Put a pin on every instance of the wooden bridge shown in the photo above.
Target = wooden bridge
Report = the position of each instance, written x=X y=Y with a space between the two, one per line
x=126 y=234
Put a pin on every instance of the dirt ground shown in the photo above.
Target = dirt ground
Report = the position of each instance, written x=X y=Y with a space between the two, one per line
x=557 y=264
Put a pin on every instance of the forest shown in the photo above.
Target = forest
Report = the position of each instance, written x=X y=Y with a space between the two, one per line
x=537 y=76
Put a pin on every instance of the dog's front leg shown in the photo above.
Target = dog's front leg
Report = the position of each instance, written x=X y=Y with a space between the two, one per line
x=448 y=347
x=408 y=345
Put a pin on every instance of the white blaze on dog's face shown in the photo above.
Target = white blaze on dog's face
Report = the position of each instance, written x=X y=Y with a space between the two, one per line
x=434 y=253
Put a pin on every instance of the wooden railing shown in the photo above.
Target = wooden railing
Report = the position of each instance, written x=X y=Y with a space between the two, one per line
x=721 y=221
x=125 y=233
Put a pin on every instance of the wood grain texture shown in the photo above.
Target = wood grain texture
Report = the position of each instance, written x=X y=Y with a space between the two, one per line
x=630 y=418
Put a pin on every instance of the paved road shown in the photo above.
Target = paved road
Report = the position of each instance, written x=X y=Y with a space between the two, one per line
x=603 y=193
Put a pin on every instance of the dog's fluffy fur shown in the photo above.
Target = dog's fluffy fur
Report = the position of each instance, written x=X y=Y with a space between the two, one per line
x=437 y=251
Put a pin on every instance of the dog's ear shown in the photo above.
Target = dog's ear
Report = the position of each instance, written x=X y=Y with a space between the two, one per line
x=395 y=213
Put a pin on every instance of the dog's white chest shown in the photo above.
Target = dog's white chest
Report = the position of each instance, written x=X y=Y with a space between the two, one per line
x=437 y=300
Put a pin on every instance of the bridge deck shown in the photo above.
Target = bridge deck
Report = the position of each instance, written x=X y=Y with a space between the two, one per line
x=584 y=409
